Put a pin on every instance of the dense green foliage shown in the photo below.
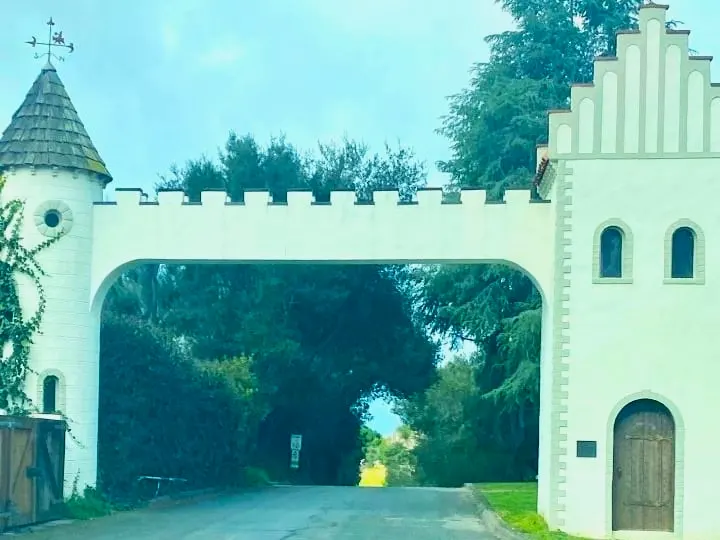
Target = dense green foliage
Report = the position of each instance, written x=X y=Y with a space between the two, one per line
x=480 y=420
x=17 y=329
x=317 y=341
x=395 y=454
x=165 y=414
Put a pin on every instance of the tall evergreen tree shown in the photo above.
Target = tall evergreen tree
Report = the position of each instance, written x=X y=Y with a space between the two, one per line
x=323 y=339
x=494 y=126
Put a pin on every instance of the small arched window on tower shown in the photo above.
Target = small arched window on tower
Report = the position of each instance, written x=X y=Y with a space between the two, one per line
x=611 y=253
x=682 y=258
x=685 y=253
x=50 y=390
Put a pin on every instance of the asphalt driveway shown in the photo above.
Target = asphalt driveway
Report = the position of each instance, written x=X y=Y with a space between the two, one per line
x=293 y=513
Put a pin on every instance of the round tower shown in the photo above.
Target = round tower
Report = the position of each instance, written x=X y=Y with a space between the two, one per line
x=51 y=164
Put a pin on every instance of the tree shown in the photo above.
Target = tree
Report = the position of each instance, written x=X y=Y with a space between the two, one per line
x=494 y=126
x=324 y=340
x=495 y=123
x=395 y=455
x=164 y=414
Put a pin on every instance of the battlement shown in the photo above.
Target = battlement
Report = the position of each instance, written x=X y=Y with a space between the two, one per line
x=343 y=198
x=653 y=100
x=431 y=227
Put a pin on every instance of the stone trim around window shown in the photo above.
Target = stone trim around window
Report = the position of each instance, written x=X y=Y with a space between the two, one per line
x=59 y=391
x=62 y=218
x=627 y=253
x=698 y=260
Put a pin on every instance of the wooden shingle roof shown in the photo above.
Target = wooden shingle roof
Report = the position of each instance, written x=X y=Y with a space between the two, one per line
x=46 y=131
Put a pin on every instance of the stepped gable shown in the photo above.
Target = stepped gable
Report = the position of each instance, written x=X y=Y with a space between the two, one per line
x=654 y=99
x=46 y=131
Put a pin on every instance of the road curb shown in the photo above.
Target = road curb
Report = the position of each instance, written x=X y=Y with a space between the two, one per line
x=491 y=520
x=195 y=495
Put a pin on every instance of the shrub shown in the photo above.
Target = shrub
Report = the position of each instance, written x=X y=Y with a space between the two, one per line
x=164 y=414
x=91 y=504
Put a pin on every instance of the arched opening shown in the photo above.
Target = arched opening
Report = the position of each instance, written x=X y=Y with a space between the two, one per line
x=49 y=394
x=611 y=253
x=683 y=253
x=150 y=290
x=643 y=486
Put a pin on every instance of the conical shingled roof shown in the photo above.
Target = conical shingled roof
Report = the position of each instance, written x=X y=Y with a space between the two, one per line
x=47 y=132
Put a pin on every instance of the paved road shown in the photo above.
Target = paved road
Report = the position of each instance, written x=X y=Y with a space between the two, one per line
x=294 y=513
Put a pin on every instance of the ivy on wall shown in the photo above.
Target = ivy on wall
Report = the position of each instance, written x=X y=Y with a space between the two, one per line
x=16 y=331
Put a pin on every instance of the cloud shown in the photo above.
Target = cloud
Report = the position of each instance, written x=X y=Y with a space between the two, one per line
x=403 y=18
x=176 y=19
x=222 y=54
x=170 y=36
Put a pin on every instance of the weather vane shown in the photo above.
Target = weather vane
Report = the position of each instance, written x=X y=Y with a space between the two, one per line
x=55 y=39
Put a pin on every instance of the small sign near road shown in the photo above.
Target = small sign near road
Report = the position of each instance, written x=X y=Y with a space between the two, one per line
x=295 y=447
x=294 y=459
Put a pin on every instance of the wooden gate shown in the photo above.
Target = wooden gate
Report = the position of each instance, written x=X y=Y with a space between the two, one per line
x=32 y=457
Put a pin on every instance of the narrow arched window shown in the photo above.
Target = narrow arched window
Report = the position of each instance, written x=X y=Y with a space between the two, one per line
x=50 y=387
x=683 y=253
x=611 y=247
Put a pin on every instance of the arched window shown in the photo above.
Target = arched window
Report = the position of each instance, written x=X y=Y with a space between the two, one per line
x=611 y=253
x=682 y=258
x=50 y=388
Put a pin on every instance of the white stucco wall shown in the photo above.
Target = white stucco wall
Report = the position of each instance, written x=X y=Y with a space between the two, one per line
x=129 y=230
x=68 y=344
x=639 y=147
x=518 y=232
x=106 y=237
x=648 y=337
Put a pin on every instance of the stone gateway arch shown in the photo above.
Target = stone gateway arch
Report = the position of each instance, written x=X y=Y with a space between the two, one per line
x=620 y=216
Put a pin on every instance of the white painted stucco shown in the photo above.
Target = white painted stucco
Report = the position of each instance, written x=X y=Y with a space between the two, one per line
x=653 y=167
x=106 y=237
x=637 y=150
x=68 y=345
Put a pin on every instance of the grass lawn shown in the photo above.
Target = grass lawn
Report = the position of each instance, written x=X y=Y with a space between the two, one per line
x=517 y=505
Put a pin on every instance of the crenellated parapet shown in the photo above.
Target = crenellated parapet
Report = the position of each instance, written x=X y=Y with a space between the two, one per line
x=654 y=99
x=345 y=198
x=432 y=226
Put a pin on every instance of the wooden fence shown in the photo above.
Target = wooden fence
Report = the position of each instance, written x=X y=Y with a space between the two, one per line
x=32 y=462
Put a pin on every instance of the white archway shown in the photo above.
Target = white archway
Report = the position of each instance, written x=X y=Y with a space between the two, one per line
x=172 y=230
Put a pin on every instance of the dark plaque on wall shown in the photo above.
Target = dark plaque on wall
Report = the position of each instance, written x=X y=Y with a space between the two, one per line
x=587 y=449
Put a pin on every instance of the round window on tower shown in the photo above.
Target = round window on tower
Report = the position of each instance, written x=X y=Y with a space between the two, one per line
x=53 y=218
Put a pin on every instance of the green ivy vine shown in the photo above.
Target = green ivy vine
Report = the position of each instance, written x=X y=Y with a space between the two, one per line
x=16 y=332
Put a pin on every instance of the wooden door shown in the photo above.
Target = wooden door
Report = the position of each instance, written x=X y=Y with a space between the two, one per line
x=49 y=469
x=21 y=503
x=644 y=468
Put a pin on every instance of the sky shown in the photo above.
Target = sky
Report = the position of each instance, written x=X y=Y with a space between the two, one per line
x=158 y=82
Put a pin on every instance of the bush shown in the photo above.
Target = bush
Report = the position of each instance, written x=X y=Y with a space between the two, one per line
x=164 y=414
x=254 y=477
x=91 y=504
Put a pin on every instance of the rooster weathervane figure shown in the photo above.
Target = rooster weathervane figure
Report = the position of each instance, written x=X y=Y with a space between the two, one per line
x=54 y=40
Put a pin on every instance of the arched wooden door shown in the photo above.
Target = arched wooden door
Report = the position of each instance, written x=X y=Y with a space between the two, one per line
x=643 y=491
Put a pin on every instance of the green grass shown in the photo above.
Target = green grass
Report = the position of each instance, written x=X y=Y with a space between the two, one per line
x=516 y=504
